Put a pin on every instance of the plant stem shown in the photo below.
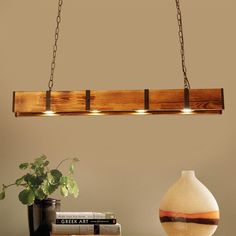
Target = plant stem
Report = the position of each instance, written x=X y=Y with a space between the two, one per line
x=7 y=186
x=62 y=162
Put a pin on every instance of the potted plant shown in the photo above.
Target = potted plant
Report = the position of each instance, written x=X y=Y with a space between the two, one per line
x=37 y=184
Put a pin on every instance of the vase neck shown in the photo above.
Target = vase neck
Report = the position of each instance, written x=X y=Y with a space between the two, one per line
x=188 y=174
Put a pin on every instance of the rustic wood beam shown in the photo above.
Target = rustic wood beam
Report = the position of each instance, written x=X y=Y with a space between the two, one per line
x=111 y=102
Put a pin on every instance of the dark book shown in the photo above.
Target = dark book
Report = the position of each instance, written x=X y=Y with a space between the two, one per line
x=85 y=221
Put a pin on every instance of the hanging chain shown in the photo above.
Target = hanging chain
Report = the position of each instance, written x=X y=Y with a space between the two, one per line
x=53 y=63
x=181 y=40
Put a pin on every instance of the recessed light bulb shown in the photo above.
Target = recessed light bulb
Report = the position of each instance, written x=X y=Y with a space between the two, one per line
x=141 y=112
x=49 y=113
x=95 y=113
x=187 y=111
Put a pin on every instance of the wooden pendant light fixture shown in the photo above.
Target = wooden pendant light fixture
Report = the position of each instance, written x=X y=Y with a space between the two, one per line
x=119 y=102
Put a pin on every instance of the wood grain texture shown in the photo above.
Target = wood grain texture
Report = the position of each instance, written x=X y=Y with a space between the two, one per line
x=211 y=99
x=117 y=100
x=120 y=102
x=64 y=101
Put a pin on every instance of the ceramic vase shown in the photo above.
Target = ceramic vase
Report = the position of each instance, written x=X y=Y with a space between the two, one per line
x=188 y=208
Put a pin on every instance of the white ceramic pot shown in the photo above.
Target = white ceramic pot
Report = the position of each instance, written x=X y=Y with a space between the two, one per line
x=189 y=208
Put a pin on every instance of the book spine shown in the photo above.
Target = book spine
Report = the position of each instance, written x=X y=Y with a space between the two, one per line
x=84 y=215
x=85 y=221
x=86 y=229
x=78 y=235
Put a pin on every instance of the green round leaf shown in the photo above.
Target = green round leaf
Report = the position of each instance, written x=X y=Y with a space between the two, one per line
x=46 y=163
x=72 y=168
x=27 y=177
x=75 y=189
x=27 y=197
x=56 y=174
x=52 y=188
x=40 y=161
x=39 y=194
x=70 y=184
x=64 y=191
x=44 y=187
x=39 y=180
x=23 y=166
x=64 y=180
x=20 y=180
x=32 y=180
x=50 y=178
x=2 y=195
x=48 y=188
x=72 y=187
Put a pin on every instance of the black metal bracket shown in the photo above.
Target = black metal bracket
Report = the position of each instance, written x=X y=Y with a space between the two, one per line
x=186 y=99
x=87 y=100
x=48 y=100
x=222 y=95
x=146 y=99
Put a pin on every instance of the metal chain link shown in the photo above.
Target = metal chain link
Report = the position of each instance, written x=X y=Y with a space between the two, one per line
x=54 y=54
x=181 y=40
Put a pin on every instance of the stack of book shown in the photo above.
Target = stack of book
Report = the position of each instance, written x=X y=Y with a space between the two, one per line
x=85 y=223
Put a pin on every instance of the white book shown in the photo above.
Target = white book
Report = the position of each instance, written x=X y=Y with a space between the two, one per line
x=85 y=215
x=86 y=229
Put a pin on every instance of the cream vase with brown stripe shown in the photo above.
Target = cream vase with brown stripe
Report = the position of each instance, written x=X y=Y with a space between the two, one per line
x=189 y=208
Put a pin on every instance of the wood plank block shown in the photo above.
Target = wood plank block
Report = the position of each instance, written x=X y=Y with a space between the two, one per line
x=111 y=102
x=68 y=101
x=211 y=99
x=63 y=101
x=117 y=100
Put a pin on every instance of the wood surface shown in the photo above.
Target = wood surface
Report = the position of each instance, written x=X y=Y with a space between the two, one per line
x=118 y=101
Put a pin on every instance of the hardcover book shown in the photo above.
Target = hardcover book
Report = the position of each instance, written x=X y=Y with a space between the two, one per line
x=85 y=215
x=85 y=221
x=107 y=229
x=78 y=235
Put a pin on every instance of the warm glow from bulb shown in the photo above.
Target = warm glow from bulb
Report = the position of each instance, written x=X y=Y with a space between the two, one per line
x=95 y=113
x=141 y=112
x=187 y=111
x=49 y=113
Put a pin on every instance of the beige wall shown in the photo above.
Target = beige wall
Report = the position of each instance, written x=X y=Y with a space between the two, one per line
x=127 y=163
